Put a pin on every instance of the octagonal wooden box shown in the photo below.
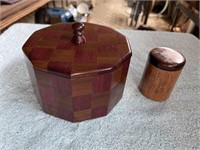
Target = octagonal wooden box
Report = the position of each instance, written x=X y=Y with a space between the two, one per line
x=78 y=82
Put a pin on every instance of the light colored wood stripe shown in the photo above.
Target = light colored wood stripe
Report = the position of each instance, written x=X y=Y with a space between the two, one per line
x=11 y=19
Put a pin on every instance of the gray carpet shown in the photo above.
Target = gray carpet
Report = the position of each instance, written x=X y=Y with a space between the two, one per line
x=135 y=123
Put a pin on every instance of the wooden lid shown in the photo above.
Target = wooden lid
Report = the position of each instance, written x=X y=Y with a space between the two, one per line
x=167 y=59
x=74 y=49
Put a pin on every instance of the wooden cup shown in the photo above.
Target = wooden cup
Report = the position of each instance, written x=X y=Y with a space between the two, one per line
x=162 y=70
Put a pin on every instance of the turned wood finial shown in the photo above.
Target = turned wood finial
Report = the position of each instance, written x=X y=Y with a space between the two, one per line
x=78 y=37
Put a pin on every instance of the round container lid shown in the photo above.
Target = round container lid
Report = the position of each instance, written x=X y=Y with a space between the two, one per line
x=72 y=49
x=167 y=59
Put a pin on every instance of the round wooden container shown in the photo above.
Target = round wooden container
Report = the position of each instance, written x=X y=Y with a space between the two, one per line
x=162 y=70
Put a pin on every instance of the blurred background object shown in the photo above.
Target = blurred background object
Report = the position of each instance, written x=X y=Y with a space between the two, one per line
x=153 y=15
x=186 y=17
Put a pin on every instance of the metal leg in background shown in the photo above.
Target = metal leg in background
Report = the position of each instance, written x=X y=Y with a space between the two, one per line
x=175 y=18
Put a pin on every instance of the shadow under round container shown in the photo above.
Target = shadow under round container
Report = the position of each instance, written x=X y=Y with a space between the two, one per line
x=80 y=69
x=162 y=70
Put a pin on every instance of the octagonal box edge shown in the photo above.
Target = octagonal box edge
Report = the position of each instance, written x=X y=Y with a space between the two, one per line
x=90 y=90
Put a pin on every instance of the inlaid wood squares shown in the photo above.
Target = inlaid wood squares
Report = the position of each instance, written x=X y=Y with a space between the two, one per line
x=79 y=81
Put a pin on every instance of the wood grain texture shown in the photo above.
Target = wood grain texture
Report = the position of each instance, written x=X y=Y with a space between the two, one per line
x=162 y=70
x=83 y=98
x=16 y=16
x=157 y=84
x=167 y=59
x=52 y=49
x=79 y=81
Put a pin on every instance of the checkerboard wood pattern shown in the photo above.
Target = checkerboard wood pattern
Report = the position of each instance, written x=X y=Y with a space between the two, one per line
x=79 y=82
x=51 y=49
